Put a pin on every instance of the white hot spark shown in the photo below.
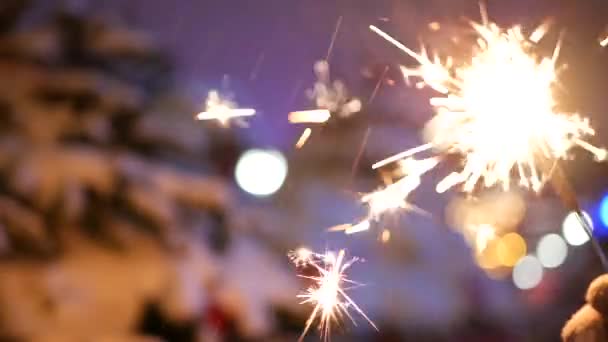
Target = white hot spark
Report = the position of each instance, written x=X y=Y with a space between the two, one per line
x=222 y=109
x=328 y=292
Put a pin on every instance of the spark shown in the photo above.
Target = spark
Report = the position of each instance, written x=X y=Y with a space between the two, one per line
x=497 y=110
x=540 y=31
x=604 y=42
x=222 y=109
x=310 y=116
x=328 y=293
x=333 y=38
x=304 y=138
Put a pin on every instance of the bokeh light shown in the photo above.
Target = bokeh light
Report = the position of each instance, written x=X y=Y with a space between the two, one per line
x=603 y=211
x=552 y=250
x=488 y=257
x=510 y=249
x=572 y=230
x=528 y=273
x=261 y=172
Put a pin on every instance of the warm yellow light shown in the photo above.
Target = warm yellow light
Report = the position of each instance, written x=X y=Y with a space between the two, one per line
x=309 y=116
x=386 y=236
x=303 y=138
x=510 y=249
x=488 y=257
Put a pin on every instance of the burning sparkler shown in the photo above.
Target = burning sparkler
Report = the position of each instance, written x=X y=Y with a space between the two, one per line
x=223 y=110
x=329 y=97
x=328 y=293
x=393 y=196
x=497 y=110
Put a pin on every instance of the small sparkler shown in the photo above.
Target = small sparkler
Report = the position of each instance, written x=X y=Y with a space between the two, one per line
x=223 y=110
x=393 y=196
x=330 y=98
x=497 y=110
x=328 y=293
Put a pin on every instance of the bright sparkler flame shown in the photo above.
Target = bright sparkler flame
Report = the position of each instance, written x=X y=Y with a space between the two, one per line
x=328 y=294
x=222 y=109
x=497 y=110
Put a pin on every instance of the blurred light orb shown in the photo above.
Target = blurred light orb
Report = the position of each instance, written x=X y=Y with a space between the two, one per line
x=261 y=172
x=386 y=236
x=528 y=273
x=604 y=211
x=511 y=248
x=572 y=230
x=552 y=250
x=488 y=257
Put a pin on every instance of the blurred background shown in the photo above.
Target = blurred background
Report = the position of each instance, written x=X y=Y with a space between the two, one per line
x=124 y=219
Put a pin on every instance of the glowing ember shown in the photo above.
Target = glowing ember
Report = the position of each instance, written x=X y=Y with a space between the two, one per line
x=304 y=138
x=604 y=42
x=328 y=293
x=497 y=110
x=310 y=116
x=222 y=110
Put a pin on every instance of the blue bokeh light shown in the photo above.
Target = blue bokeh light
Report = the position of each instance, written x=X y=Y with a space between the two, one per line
x=603 y=211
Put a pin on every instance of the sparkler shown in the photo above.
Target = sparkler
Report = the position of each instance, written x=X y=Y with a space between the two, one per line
x=329 y=97
x=499 y=113
x=328 y=293
x=222 y=110
x=393 y=196
x=497 y=110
